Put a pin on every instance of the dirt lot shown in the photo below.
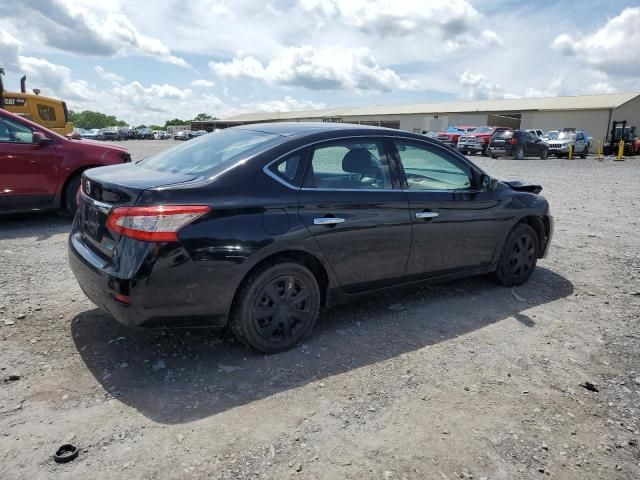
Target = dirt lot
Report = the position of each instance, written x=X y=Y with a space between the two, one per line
x=462 y=380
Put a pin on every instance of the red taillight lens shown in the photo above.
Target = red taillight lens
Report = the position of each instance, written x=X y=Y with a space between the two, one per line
x=513 y=141
x=153 y=224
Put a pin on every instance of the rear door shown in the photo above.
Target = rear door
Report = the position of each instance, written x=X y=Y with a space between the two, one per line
x=357 y=212
x=455 y=226
x=28 y=172
x=532 y=143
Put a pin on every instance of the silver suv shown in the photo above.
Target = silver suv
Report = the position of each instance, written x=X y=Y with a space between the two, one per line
x=559 y=143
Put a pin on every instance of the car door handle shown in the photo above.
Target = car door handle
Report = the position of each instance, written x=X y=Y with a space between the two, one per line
x=426 y=214
x=327 y=220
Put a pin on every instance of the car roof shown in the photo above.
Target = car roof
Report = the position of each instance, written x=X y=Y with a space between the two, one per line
x=298 y=128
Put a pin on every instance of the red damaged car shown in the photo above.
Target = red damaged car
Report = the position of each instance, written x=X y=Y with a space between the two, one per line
x=41 y=170
x=451 y=136
x=478 y=140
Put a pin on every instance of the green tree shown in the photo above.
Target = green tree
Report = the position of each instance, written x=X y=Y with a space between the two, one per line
x=89 y=119
x=156 y=127
x=140 y=126
x=175 y=121
x=203 y=117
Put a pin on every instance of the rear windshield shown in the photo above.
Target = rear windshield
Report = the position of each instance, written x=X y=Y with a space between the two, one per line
x=209 y=154
x=505 y=134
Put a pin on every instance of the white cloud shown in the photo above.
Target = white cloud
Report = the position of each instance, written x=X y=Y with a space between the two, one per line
x=108 y=76
x=9 y=49
x=602 y=87
x=97 y=31
x=352 y=69
x=457 y=22
x=479 y=87
x=287 y=104
x=201 y=82
x=613 y=49
x=558 y=87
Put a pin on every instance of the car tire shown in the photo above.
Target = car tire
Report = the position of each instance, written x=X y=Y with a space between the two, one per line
x=70 y=192
x=494 y=156
x=518 y=153
x=276 y=306
x=519 y=256
x=464 y=152
x=584 y=152
x=544 y=154
x=485 y=151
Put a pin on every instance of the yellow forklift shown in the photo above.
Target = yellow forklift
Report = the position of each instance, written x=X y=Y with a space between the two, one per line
x=49 y=112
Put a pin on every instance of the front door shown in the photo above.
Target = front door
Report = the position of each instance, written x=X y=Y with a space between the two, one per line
x=359 y=218
x=455 y=226
x=28 y=173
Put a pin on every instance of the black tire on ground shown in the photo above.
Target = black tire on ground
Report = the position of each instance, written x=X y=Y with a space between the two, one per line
x=544 y=154
x=71 y=190
x=518 y=152
x=494 y=156
x=276 y=306
x=519 y=256
x=584 y=152
x=485 y=151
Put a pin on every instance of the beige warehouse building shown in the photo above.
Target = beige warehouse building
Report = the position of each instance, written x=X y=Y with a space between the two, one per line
x=592 y=113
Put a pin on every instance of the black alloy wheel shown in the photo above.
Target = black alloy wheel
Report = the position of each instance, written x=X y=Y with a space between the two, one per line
x=277 y=307
x=544 y=153
x=519 y=256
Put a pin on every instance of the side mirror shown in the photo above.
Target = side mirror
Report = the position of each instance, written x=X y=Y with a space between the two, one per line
x=486 y=182
x=40 y=139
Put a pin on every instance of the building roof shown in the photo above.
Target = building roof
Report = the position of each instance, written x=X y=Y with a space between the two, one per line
x=583 y=102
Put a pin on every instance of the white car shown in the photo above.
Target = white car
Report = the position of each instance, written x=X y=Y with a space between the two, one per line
x=559 y=144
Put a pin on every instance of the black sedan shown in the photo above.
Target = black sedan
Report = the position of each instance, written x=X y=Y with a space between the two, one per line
x=261 y=227
x=518 y=143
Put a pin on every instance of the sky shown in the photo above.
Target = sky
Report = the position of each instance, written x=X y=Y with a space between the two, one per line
x=147 y=62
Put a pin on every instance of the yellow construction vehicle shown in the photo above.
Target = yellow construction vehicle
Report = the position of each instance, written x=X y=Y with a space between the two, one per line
x=51 y=113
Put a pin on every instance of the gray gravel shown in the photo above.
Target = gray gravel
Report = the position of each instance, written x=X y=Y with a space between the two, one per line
x=461 y=380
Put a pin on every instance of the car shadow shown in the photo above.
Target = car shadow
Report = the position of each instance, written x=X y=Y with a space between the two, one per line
x=40 y=225
x=180 y=376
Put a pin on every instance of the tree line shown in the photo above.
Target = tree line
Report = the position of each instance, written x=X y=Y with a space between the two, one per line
x=89 y=119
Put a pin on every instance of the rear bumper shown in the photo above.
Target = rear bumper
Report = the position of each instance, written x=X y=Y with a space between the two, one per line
x=154 y=303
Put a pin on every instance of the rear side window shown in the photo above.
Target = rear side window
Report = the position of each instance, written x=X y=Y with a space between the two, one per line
x=209 y=154
x=429 y=169
x=287 y=168
x=349 y=165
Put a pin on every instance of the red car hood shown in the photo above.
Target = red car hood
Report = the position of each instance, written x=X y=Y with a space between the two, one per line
x=97 y=143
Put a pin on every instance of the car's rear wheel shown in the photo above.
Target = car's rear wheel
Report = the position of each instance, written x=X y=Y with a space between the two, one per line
x=276 y=307
x=70 y=193
x=518 y=152
x=584 y=152
x=519 y=256
x=485 y=150
x=544 y=154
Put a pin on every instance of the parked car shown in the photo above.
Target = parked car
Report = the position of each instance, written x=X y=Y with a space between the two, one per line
x=333 y=212
x=559 y=144
x=111 y=133
x=519 y=143
x=536 y=131
x=549 y=135
x=197 y=133
x=93 y=134
x=40 y=169
x=477 y=141
x=144 y=134
x=182 y=135
x=452 y=135
x=160 y=135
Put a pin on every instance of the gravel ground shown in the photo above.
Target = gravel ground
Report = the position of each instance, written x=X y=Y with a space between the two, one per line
x=461 y=380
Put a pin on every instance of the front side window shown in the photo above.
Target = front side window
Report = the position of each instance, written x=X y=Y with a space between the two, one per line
x=429 y=169
x=349 y=165
x=47 y=113
x=13 y=132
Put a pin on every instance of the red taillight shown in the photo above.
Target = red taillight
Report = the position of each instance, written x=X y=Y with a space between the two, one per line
x=513 y=141
x=153 y=224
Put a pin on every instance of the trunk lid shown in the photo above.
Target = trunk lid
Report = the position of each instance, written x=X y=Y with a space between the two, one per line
x=117 y=186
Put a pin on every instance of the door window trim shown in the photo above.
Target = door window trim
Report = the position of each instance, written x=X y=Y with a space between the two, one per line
x=392 y=158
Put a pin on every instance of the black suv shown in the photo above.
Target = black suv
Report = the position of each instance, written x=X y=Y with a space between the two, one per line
x=518 y=143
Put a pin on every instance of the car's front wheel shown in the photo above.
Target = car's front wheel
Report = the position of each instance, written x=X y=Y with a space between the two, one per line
x=276 y=306
x=519 y=256
x=585 y=152
x=544 y=154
